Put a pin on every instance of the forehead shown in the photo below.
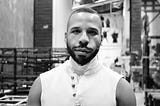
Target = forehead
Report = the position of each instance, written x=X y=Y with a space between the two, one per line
x=84 y=18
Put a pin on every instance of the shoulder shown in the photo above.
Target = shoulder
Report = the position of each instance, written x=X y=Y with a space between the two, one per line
x=54 y=72
x=111 y=74
x=35 y=92
x=124 y=94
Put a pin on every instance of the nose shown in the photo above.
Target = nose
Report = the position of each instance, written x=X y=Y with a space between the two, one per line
x=84 y=40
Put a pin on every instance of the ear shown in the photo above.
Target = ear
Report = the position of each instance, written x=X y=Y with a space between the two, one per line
x=101 y=38
x=65 y=39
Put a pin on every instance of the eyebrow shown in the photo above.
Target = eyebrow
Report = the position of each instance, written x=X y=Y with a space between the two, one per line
x=93 y=29
x=75 y=28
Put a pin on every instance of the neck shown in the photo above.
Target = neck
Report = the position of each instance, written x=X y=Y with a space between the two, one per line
x=82 y=69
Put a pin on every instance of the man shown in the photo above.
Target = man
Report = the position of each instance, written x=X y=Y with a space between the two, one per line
x=82 y=80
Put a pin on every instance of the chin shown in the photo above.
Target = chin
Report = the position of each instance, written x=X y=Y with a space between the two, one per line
x=82 y=59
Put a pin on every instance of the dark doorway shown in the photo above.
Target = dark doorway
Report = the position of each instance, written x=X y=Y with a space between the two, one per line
x=42 y=23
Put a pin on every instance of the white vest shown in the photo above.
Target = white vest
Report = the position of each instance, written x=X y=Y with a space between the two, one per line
x=62 y=87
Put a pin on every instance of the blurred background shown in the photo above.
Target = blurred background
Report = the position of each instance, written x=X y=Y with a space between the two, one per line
x=32 y=42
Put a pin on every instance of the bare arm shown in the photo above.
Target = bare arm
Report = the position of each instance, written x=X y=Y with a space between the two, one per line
x=35 y=94
x=124 y=94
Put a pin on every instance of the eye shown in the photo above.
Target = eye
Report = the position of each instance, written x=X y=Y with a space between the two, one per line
x=76 y=31
x=92 y=32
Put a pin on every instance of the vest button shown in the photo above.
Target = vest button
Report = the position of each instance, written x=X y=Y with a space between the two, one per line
x=72 y=77
x=74 y=95
x=73 y=85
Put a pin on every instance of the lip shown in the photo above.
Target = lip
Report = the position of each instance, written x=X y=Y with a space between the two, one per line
x=82 y=50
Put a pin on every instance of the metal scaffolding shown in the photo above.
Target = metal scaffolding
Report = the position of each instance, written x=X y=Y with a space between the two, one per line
x=148 y=6
x=20 y=66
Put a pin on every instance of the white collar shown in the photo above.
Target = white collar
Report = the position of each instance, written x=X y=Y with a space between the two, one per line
x=87 y=69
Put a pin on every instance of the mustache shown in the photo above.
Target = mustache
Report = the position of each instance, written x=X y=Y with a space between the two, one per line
x=83 y=49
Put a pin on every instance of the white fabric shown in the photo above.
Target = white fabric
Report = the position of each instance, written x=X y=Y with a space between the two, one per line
x=85 y=69
x=96 y=86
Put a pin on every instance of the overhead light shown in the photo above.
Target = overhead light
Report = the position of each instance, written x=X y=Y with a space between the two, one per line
x=78 y=1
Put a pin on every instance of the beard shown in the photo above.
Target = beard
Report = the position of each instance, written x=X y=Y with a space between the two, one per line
x=82 y=59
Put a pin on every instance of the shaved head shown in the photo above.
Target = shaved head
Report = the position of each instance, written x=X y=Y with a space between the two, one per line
x=83 y=10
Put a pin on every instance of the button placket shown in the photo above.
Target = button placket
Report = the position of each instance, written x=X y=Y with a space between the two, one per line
x=75 y=81
x=74 y=85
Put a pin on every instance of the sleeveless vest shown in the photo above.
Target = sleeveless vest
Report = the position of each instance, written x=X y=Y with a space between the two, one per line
x=62 y=87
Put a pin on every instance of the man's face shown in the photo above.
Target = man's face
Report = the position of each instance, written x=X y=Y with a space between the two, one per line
x=83 y=37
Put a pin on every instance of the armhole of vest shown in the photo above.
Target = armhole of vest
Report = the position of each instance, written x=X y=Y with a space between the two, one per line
x=117 y=88
x=118 y=78
x=40 y=77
